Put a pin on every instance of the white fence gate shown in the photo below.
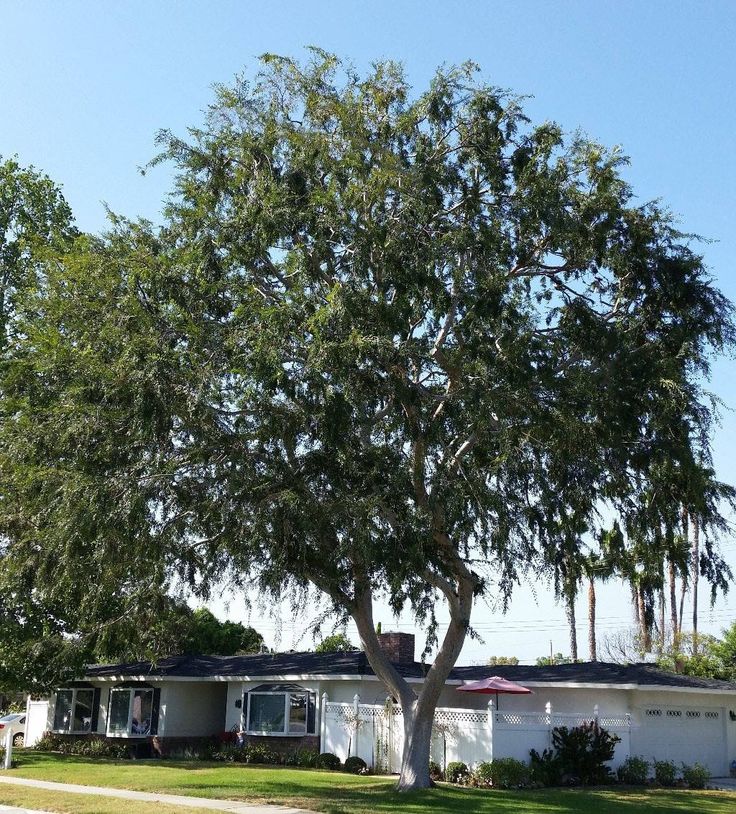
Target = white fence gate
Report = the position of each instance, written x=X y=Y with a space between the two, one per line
x=376 y=733
x=36 y=721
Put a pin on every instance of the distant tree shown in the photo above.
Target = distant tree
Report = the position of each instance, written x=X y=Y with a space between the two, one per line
x=337 y=643
x=495 y=661
x=695 y=658
x=557 y=658
x=207 y=634
x=174 y=628
x=700 y=654
x=623 y=646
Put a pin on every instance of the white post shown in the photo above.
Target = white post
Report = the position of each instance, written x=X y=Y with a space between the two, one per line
x=596 y=710
x=491 y=721
x=356 y=713
x=323 y=723
x=389 y=707
x=9 y=749
x=550 y=724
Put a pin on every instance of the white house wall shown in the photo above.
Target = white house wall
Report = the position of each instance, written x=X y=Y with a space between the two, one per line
x=192 y=709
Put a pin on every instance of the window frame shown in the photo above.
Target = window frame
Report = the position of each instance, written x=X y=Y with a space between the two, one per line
x=128 y=733
x=72 y=711
x=284 y=733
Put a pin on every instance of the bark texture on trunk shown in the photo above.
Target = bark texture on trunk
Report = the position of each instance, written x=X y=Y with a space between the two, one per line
x=592 y=648
x=415 y=757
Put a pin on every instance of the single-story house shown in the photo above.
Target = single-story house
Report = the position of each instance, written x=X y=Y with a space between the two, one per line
x=334 y=702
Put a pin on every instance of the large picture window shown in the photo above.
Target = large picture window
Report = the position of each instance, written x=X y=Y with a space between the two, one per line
x=279 y=711
x=75 y=710
x=133 y=712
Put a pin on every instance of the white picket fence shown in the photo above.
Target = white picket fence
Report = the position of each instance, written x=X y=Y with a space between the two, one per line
x=376 y=732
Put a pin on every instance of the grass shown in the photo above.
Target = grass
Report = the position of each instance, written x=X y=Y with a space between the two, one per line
x=70 y=803
x=335 y=793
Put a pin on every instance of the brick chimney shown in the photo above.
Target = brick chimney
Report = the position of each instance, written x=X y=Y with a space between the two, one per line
x=399 y=647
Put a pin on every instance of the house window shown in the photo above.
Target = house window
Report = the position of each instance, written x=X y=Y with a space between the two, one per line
x=279 y=712
x=133 y=712
x=74 y=710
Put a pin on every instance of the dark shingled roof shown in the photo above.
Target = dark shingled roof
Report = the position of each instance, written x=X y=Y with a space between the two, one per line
x=354 y=663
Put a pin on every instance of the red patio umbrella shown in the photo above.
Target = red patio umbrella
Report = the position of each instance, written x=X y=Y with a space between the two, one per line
x=495 y=685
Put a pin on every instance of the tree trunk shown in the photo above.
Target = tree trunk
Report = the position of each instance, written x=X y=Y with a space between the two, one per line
x=570 y=613
x=673 y=603
x=418 y=709
x=417 y=744
x=662 y=625
x=592 y=649
x=635 y=604
x=646 y=633
x=683 y=589
x=695 y=573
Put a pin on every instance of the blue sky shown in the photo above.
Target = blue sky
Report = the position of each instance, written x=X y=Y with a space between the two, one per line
x=84 y=86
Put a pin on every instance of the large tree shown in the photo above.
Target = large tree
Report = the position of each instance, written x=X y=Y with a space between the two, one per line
x=385 y=345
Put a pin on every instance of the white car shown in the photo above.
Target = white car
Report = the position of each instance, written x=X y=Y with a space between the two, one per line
x=16 y=722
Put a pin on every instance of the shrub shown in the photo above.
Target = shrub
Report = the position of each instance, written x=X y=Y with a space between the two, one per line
x=227 y=753
x=355 y=765
x=435 y=771
x=257 y=753
x=328 y=761
x=696 y=776
x=634 y=771
x=545 y=769
x=304 y=758
x=48 y=742
x=86 y=747
x=456 y=772
x=482 y=774
x=508 y=773
x=665 y=772
x=99 y=747
x=583 y=752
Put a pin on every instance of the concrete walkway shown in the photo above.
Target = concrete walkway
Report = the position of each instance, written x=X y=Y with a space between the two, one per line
x=16 y=810
x=232 y=806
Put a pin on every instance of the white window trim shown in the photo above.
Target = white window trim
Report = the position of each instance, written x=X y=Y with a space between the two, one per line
x=285 y=732
x=74 y=691
x=128 y=732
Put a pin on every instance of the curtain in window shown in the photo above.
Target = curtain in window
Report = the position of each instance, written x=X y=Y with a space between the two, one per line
x=266 y=713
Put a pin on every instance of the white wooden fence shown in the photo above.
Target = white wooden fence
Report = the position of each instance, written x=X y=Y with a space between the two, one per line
x=376 y=733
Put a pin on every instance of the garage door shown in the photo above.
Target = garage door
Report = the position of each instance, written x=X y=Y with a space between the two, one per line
x=682 y=734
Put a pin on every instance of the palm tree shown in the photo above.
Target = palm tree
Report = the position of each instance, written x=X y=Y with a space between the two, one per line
x=602 y=565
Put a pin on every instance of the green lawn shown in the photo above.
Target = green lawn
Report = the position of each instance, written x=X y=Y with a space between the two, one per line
x=41 y=800
x=336 y=793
